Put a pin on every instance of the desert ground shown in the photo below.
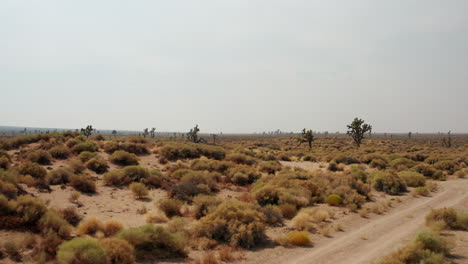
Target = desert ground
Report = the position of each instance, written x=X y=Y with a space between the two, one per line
x=239 y=199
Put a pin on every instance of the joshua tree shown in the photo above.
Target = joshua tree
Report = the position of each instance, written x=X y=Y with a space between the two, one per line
x=152 y=132
x=306 y=136
x=447 y=142
x=410 y=134
x=214 y=136
x=114 y=133
x=357 y=129
x=88 y=131
x=145 y=132
x=192 y=135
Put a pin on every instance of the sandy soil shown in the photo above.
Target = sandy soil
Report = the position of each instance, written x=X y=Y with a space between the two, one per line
x=369 y=239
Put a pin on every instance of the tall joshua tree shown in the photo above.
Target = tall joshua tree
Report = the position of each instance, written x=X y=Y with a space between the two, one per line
x=88 y=131
x=306 y=136
x=152 y=132
x=145 y=132
x=357 y=130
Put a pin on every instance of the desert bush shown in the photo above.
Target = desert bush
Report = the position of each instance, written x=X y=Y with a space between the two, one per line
x=273 y=215
x=77 y=166
x=298 y=238
x=235 y=222
x=176 y=151
x=432 y=242
x=111 y=146
x=30 y=209
x=421 y=191
x=402 y=164
x=154 y=242
x=334 y=200
x=450 y=218
x=52 y=221
x=90 y=226
x=345 y=159
x=83 y=184
x=139 y=190
x=60 y=152
x=171 y=207
x=59 y=176
x=288 y=210
x=135 y=148
x=387 y=182
x=242 y=175
x=118 y=251
x=379 y=164
x=8 y=189
x=446 y=165
x=40 y=156
x=131 y=174
x=70 y=215
x=205 y=204
x=192 y=184
x=97 y=164
x=425 y=169
x=4 y=162
x=124 y=158
x=307 y=218
x=412 y=179
x=86 y=155
x=81 y=251
x=459 y=174
x=241 y=159
x=155 y=217
x=112 y=227
x=90 y=146
x=332 y=166
x=33 y=169
x=269 y=166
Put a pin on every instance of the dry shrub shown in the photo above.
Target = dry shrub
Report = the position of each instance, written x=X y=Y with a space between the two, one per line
x=420 y=191
x=308 y=217
x=30 y=209
x=52 y=221
x=33 y=169
x=155 y=217
x=235 y=222
x=388 y=182
x=412 y=179
x=77 y=166
x=83 y=184
x=171 y=207
x=118 y=251
x=154 y=242
x=70 y=215
x=207 y=258
x=86 y=155
x=176 y=151
x=273 y=214
x=40 y=156
x=97 y=164
x=298 y=238
x=112 y=227
x=81 y=250
x=124 y=158
x=60 y=152
x=90 y=226
x=85 y=146
x=139 y=190
x=450 y=218
x=205 y=204
x=59 y=176
x=226 y=253
x=288 y=210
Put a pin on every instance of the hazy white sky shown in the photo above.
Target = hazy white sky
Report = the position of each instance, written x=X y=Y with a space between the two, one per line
x=235 y=66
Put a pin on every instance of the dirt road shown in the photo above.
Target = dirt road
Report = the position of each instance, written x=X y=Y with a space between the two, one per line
x=381 y=235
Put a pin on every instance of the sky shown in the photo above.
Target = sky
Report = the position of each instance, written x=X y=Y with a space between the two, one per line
x=235 y=66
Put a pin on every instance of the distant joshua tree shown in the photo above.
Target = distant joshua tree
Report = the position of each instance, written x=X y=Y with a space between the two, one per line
x=447 y=142
x=410 y=134
x=306 y=136
x=214 y=136
x=357 y=129
x=152 y=132
x=145 y=132
x=114 y=133
x=88 y=131
x=192 y=135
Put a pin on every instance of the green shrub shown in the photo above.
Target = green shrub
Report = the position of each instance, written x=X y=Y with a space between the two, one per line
x=118 y=251
x=242 y=175
x=139 y=190
x=97 y=164
x=334 y=200
x=412 y=179
x=130 y=174
x=135 y=148
x=86 y=155
x=387 y=182
x=421 y=191
x=83 y=184
x=171 y=207
x=154 y=242
x=60 y=152
x=235 y=222
x=432 y=242
x=192 y=184
x=40 y=156
x=81 y=251
x=124 y=158
x=59 y=176
x=446 y=165
x=176 y=151
x=90 y=146
x=33 y=169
